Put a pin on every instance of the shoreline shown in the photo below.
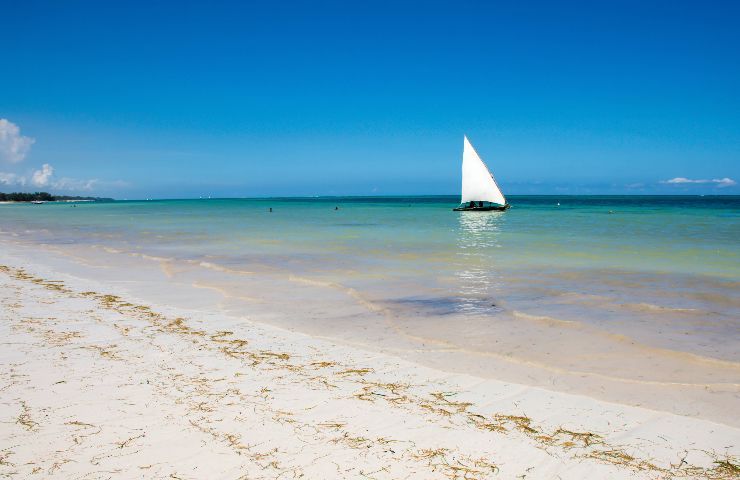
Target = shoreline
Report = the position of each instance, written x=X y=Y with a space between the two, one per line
x=633 y=374
x=327 y=409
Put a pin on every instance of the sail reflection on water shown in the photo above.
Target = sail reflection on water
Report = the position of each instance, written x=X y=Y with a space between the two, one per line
x=478 y=244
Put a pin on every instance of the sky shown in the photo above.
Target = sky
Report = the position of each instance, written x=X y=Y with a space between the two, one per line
x=240 y=99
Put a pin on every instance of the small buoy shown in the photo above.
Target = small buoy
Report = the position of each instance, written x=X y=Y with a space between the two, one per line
x=558 y=204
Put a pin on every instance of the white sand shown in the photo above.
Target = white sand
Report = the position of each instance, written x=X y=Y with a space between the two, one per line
x=103 y=387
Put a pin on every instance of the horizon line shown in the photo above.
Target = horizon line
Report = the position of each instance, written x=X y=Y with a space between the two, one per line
x=308 y=197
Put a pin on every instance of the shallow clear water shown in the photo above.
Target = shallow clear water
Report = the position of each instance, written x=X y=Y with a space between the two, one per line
x=666 y=234
x=396 y=237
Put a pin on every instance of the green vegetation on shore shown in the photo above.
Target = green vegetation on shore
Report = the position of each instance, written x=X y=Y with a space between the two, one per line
x=44 y=197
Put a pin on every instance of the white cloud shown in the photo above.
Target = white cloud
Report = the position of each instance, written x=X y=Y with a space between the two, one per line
x=724 y=182
x=11 y=179
x=42 y=177
x=13 y=146
x=684 y=180
x=719 y=182
x=13 y=149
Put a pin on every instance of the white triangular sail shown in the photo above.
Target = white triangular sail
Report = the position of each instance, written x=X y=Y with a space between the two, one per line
x=478 y=184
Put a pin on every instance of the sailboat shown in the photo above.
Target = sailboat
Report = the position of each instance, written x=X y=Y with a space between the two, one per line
x=480 y=192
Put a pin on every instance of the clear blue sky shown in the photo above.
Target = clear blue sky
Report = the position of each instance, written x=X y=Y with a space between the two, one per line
x=181 y=99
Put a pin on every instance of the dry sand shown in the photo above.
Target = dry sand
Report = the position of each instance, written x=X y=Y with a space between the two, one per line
x=94 y=385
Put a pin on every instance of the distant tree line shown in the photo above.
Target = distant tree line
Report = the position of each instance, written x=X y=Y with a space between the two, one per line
x=26 y=197
x=43 y=196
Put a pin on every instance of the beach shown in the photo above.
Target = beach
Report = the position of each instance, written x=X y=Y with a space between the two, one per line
x=153 y=341
x=358 y=240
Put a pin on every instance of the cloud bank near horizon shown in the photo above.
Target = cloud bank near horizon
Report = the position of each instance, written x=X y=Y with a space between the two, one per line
x=718 y=182
x=14 y=148
x=44 y=178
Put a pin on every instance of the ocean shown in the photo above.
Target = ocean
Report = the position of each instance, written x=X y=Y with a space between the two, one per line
x=569 y=292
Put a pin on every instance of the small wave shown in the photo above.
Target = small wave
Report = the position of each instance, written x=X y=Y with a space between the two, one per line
x=225 y=293
x=337 y=286
x=144 y=256
x=221 y=268
x=643 y=306
x=153 y=258
x=602 y=301
x=549 y=321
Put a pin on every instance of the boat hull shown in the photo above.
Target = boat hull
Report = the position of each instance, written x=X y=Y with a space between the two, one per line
x=488 y=208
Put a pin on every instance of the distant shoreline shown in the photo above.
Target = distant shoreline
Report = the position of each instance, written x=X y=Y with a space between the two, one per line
x=44 y=197
x=11 y=202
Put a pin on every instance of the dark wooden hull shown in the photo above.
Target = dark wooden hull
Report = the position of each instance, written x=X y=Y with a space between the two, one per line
x=491 y=208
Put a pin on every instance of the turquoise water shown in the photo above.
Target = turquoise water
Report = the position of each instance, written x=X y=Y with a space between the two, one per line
x=692 y=235
x=417 y=251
